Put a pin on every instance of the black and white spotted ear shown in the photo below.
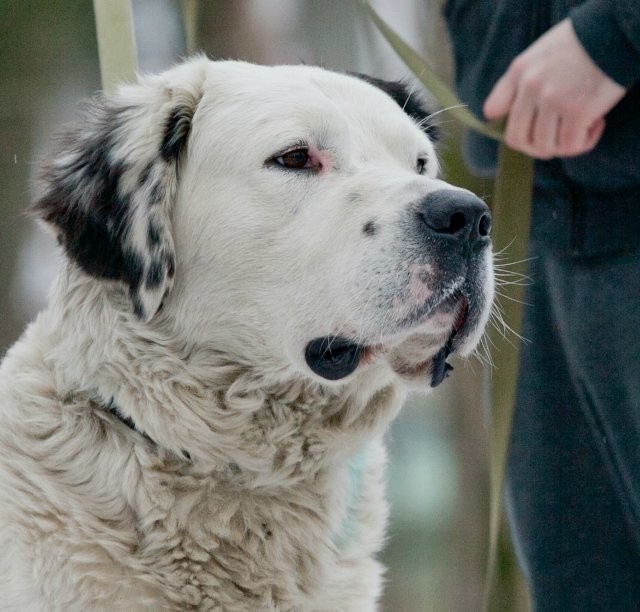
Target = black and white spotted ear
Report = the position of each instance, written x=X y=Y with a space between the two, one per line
x=410 y=102
x=109 y=186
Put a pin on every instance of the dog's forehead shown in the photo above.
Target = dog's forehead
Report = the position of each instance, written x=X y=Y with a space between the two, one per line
x=257 y=81
x=307 y=93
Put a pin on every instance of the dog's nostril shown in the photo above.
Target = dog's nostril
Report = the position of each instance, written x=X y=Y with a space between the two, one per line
x=484 y=227
x=456 y=214
x=457 y=222
x=443 y=224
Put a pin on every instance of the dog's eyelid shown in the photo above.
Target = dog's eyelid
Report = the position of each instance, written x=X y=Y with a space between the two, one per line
x=292 y=146
x=297 y=157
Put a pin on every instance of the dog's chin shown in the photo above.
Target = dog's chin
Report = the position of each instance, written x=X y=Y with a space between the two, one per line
x=421 y=360
x=417 y=354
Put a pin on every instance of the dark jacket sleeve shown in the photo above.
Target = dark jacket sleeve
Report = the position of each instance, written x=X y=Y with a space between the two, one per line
x=609 y=30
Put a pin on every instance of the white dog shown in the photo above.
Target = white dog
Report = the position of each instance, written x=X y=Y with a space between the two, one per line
x=261 y=261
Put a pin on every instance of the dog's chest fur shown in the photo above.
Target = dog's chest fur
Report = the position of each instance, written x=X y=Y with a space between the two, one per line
x=220 y=548
x=148 y=530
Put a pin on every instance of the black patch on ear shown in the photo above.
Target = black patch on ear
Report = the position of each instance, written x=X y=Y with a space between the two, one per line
x=143 y=179
x=171 y=266
x=176 y=132
x=155 y=274
x=408 y=100
x=109 y=201
x=85 y=203
x=154 y=233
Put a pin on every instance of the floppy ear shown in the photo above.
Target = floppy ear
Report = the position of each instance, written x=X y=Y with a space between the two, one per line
x=410 y=102
x=109 y=186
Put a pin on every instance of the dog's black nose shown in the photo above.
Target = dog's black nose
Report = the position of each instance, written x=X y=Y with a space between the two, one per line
x=455 y=214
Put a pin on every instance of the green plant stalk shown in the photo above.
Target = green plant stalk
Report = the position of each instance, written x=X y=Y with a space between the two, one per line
x=190 y=13
x=426 y=75
x=512 y=216
x=116 y=42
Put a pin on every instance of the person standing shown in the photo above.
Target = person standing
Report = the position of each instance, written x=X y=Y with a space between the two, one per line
x=565 y=74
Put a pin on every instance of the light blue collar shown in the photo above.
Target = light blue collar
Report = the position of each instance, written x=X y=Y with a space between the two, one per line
x=349 y=530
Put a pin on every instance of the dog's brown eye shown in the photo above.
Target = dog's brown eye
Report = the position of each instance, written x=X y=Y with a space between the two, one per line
x=298 y=159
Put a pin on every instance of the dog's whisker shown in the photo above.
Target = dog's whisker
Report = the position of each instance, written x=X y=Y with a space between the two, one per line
x=511 y=298
x=440 y=111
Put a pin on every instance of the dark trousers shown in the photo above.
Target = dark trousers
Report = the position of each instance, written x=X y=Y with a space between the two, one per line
x=573 y=473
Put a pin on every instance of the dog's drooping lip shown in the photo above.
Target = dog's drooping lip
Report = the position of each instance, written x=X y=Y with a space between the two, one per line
x=441 y=368
x=333 y=357
x=336 y=357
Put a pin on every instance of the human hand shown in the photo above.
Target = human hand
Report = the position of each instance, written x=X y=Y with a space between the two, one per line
x=554 y=96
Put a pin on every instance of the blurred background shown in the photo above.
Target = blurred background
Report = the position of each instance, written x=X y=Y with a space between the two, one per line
x=438 y=482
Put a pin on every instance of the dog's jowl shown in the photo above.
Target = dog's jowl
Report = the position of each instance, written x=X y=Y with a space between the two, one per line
x=261 y=262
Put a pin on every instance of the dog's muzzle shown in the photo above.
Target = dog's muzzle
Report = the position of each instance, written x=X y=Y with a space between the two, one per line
x=457 y=224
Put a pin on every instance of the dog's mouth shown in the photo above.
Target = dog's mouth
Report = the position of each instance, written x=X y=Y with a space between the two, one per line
x=336 y=357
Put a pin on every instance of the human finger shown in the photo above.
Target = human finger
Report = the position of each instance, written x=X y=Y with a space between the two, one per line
x=520 y=122
x=571 y=136
x=576 y=137
x=594 y=134
x=544 y=133
x=499 y=101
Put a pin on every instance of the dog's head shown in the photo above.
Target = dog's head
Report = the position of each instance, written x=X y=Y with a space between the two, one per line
x=291 y=216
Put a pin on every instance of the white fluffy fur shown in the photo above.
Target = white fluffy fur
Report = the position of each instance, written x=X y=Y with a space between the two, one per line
x=262 y=487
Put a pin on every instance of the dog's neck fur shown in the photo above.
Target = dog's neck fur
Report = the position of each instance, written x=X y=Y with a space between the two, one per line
x=196 y=402
x=293 y=464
